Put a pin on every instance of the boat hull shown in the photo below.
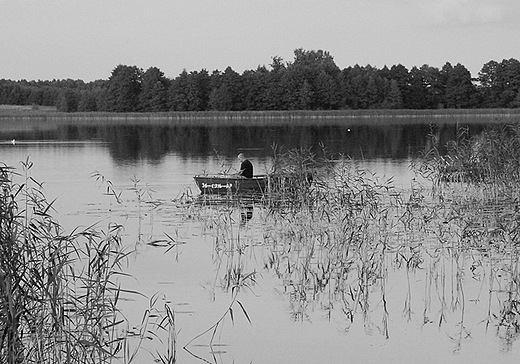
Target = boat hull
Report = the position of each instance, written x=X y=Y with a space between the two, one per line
x=226 y=184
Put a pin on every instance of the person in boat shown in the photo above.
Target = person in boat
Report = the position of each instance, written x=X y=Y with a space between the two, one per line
x=246 y=167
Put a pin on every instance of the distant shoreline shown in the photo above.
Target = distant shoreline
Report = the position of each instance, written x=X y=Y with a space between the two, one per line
x=259 y=118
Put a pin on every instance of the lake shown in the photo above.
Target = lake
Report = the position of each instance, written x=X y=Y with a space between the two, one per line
x=427 y=306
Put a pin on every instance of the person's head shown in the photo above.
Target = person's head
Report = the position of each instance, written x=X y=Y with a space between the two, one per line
x=241 y=157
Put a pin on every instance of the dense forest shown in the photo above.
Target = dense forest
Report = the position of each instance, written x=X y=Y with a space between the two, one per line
x=311 y=81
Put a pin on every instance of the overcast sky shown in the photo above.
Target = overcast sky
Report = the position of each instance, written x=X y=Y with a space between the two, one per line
x=87 y=39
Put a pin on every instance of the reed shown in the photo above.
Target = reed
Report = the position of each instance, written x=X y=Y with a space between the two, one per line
x=325 y=230
x=232 y=275
x=489 y=158
x=336 y=240
x=335 y=237
x=475 y=216
x=266 y=118
x=60 y=292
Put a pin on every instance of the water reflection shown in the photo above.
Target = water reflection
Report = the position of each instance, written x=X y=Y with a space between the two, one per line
x=131 y=143
x=246 y=213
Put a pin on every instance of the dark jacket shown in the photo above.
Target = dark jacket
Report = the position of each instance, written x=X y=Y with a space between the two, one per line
x=246 y=169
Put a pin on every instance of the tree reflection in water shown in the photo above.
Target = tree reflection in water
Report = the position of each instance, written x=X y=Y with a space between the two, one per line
x=144 y=140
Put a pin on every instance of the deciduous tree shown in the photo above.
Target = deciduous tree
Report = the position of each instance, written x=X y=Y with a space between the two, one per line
x=459 y=88
x=154 y=88
x=124 y=86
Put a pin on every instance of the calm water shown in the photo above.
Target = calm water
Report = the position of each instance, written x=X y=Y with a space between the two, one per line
x=161 y=161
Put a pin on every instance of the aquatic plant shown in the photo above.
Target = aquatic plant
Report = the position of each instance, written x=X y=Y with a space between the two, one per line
x=218 y=218
x=294 y=176
x=491 y=157
x=331 y=248
x=60 y=292
x=474 y=215
x=324 y=226
x=338 y=241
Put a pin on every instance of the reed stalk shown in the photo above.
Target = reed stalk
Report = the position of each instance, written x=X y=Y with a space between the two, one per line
x=335 y=235
x=60 y=292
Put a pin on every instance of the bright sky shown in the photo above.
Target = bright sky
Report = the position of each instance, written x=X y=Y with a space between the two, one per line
x=87 y=39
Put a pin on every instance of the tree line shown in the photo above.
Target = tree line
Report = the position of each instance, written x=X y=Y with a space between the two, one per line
x=311 y=81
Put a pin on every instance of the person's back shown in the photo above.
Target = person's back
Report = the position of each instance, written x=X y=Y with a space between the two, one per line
x=246 y=167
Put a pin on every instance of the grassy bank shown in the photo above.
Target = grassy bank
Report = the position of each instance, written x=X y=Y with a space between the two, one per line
x=27 y=109
x=271 y=118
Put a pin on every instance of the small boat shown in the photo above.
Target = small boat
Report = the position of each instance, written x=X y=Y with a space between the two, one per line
x=231 y=184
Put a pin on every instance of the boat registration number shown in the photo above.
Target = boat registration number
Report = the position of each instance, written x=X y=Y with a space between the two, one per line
x=217 y=185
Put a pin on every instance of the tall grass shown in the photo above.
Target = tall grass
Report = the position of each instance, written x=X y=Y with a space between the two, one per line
x=330 y=244
x=233 y=274
x=475 y=214
x=324 y=229
x=490 y=158
x=338 y=239
x=60 y=292
x=265 y=118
